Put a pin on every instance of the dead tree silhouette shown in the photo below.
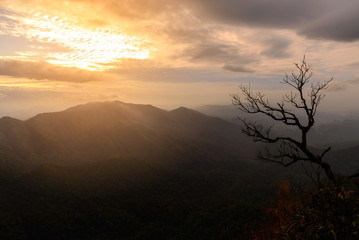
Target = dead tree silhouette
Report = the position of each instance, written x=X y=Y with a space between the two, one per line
x=305 y=99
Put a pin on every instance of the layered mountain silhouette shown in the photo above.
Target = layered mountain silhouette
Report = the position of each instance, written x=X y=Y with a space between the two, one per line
x=113 y=170
x=105 y=130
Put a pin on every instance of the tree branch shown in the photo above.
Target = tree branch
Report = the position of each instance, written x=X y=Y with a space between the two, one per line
x=305 y=99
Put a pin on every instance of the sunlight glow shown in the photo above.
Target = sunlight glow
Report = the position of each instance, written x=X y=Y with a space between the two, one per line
x=24 y=83
x=82 y=47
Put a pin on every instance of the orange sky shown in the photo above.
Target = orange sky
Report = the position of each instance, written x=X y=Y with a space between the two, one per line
x=169 y=53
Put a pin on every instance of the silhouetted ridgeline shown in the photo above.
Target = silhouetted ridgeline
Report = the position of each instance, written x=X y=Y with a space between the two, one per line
x=98 y=131
x=124 y=171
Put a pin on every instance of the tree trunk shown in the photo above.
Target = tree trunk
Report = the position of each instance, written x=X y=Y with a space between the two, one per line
x=328 y=172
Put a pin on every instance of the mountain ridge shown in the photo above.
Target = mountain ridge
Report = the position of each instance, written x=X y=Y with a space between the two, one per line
x=106 y=130
x=102 y=130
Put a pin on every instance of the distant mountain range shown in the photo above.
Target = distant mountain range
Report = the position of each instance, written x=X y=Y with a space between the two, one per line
x=230 y=112
x=337 y=131
x=329 y=129
x=107 y=130
x=113 y=170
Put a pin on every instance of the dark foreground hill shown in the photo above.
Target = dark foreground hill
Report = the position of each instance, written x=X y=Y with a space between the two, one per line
x=128 y=198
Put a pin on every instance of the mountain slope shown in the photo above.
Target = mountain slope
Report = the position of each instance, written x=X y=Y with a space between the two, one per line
x=132 y=172
x=105 y=130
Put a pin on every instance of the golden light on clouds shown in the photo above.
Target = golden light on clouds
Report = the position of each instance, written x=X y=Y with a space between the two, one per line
x=130 y=49
x=24 y=84
x=77 y=46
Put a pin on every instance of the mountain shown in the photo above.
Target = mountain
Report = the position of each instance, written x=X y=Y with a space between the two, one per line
x=230 y=112
x=342 y=133
x=338 y=131
x=114 y=170
x=105 y=130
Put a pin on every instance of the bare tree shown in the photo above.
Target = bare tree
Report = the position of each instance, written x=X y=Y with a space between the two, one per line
x=305 y=99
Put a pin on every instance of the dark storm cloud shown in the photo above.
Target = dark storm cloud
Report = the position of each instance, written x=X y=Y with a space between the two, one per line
x=44 y=70
x=323 y=19
x=341 y=25
x=275 y=13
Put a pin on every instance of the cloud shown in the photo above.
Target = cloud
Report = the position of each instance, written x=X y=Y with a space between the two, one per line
x=352 y=65
x=211 y=52
x=276 y=47
x=263 y=13
x=320 y=19
x=44 y=70
x=237 y=68
x=342 y=85
x=137 y=9
x=217 y=53
x=172 y=75
x=354 y=81
x=341 y=25
x=130 y=9
x=336 y=86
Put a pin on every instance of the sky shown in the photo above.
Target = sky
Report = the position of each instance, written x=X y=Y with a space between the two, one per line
x=171 y=53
